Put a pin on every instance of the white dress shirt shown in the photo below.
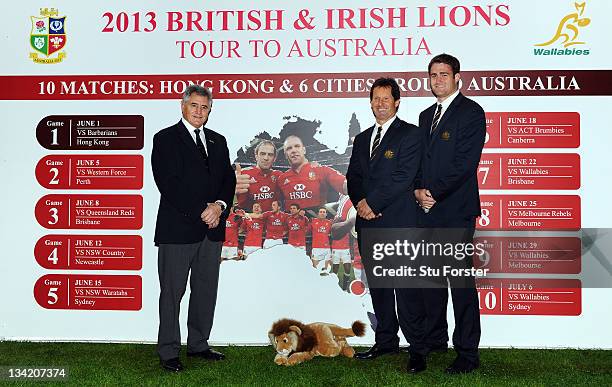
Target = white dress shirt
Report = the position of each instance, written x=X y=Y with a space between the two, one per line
x=191 y=129
x=385 y=127
x=445 y=104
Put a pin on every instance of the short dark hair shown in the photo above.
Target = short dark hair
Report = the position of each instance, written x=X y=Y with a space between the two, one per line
x=446 y=59
x=386 y=82
x=296 y=206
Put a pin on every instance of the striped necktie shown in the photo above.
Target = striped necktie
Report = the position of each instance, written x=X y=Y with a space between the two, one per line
x=376 y=142
x=436 y=119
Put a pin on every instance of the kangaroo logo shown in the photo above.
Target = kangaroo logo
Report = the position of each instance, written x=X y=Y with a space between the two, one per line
x=569 y=28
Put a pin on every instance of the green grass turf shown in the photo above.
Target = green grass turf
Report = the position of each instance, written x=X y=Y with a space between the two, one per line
x=134 y=364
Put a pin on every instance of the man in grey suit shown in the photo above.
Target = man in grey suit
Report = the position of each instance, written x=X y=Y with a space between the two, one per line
x=193 y=173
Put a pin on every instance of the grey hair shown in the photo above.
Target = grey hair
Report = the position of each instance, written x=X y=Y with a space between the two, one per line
x=199 y=90
x=265 y=142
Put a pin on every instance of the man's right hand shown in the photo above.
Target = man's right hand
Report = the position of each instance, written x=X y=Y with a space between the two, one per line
x=364 y=210
x=423 y=196
x=242 y=181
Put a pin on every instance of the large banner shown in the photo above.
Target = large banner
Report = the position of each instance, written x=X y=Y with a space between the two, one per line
x=85 y=86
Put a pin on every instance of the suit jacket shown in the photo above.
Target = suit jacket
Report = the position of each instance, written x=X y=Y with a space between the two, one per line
x=449 y=162
x=187 y=185
x=387 y=181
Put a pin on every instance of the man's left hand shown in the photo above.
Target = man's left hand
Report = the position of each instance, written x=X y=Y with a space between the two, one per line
x=211 y=215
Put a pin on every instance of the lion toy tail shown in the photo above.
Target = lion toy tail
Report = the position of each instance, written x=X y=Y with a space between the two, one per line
x=357 y=329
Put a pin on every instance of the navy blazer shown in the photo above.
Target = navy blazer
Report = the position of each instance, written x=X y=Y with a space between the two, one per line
x=187 y=185
x=387 y=181
x=449 y=162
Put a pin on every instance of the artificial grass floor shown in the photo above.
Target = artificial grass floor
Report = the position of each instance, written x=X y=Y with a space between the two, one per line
x=137 y=364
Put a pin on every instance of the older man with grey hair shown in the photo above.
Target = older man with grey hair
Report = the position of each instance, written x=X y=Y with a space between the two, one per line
x=193 y=173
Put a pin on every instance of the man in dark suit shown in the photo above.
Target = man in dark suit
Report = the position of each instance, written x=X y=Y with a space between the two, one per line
x=192 y=170
x=453 y=134
x=380 y=177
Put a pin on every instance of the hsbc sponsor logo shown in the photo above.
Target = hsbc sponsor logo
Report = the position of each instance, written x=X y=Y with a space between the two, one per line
x=300 y=195
x=299 y=187
x=264 y=194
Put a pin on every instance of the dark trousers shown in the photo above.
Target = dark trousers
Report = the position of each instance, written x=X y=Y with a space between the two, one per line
x=174 y=263
x=409 y=316
x=466 y=335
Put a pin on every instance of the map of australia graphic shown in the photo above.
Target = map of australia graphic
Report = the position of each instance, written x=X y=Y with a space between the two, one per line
x=315 y=150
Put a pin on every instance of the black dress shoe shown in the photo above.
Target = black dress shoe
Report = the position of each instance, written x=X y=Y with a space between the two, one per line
x=416 y=364
x=375 y=352
x=172 y=365
x=209 y=354
x=461 y=365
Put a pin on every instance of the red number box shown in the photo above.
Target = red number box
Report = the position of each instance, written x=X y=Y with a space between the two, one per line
x=529 y=171
x=90 y=172
x=529 y=212
x=89 y=292
x=533 y=130
x=551 y=297
x=90 y=212
x=91 y=132
x=530 y=255
x=89 y=252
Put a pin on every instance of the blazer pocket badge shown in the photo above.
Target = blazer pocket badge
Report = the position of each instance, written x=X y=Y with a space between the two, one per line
x=445 y=135
x=389 y=154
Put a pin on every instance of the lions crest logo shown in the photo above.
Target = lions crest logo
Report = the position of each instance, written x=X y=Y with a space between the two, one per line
x=48 y=36
x=312 y=175
x=445 y=136
x=389 y=154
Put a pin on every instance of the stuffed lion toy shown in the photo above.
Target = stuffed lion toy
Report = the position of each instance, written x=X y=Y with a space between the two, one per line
x=296 y=342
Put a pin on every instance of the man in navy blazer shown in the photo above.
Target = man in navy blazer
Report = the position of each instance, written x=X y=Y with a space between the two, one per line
x=380 y=182
x=453 y=135
x=193 y=173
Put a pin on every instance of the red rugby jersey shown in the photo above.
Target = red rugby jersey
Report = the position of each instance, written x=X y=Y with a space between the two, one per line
x=309 y=186
x=344 y=207
x=231 y=230
x=253 y=229
x=320 y=229
x=275 y=224
x=263 y=189
x=297 y=225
